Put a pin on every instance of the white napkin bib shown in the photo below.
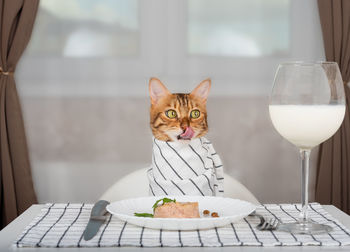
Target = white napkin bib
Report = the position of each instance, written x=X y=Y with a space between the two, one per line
x=180 y=168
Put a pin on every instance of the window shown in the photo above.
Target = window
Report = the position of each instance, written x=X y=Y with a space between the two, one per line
x=238 y=28
x=86 y=28
x=119 y=44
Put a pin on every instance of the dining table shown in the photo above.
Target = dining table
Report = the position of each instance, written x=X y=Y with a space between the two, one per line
x=12 y=231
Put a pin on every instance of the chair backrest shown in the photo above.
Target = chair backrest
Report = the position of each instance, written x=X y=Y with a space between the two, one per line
x=135 y=185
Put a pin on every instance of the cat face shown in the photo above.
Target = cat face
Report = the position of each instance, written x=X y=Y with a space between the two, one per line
x=178 y=117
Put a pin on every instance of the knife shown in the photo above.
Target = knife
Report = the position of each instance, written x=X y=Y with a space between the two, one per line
x=97 y=218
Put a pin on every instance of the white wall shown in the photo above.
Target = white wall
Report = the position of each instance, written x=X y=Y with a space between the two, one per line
x=87 y=117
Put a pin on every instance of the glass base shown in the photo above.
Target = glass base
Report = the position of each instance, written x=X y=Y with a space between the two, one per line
x=304 y=228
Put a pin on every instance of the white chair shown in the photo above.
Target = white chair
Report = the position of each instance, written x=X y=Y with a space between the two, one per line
x=135 y=184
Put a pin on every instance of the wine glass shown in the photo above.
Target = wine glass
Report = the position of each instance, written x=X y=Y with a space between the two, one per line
x=307 y=106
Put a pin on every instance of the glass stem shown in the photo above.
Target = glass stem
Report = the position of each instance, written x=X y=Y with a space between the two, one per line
x=305 y=161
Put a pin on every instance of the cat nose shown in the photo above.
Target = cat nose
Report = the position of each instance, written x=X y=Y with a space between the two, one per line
x=184 y=124
x=184 y=127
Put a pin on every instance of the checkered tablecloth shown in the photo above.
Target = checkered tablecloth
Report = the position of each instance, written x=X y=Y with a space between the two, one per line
x=62 y=225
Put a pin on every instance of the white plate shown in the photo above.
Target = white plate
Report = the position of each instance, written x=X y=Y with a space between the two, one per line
x=229 y=210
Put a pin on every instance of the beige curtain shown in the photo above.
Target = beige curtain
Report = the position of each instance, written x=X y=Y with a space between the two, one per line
x=333 y=170
x=17 y=193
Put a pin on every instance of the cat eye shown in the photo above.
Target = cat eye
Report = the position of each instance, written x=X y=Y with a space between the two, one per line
x=171 y=113
x=195 y=113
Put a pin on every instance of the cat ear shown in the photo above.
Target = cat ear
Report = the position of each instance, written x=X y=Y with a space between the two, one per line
x=202 y=90
x=157 y=90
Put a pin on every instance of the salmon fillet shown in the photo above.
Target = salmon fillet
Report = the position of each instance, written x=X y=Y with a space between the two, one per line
x=177 y=210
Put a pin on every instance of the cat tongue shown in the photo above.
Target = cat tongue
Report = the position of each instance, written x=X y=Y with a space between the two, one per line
x=188 y=134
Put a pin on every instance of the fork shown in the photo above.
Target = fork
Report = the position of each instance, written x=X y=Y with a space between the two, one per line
x=266 y=224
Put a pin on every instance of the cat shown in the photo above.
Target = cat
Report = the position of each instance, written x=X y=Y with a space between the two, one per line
x=172 y=114
x=184 y=162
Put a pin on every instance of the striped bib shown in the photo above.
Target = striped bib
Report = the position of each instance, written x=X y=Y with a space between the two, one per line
x=185 y=168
